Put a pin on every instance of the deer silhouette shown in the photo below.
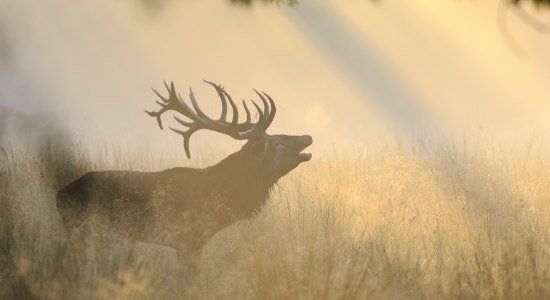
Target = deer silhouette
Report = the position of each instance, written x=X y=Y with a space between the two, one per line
x=184 y=207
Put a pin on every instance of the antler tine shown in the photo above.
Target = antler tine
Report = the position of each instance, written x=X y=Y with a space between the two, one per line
x=224 y=96
x=164 y=104
x=165 y=100
x=260 y=113
x=266 y=112
x=201 y=114
x=266 y=106
x=183 y=122
x=157 y=114
x=186 y=137
x=176 y=103
x=184 y=109
x=247 y=112
x=223 y=116
x=172 y=96
x=273 y=111
x=258 y=126
x=235 y=119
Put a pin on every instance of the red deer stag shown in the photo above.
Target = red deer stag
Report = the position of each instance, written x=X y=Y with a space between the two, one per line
x=184 y=207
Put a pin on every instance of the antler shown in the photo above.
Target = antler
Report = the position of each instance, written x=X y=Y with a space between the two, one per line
x=199 y=120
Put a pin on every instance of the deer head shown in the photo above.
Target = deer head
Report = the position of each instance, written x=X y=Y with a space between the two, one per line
x=278 y=153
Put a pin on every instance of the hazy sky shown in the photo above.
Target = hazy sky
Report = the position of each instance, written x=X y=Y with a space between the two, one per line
x=344 y=71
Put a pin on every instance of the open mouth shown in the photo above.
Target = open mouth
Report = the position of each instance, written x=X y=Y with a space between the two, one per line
x=305 y=156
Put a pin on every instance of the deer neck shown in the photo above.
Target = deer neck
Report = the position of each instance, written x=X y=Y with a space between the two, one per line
x=242 y=181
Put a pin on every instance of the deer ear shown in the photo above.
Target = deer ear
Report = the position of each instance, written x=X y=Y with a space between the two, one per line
x=270 y=142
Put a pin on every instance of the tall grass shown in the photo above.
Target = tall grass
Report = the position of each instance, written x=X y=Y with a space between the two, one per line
x=351 y=225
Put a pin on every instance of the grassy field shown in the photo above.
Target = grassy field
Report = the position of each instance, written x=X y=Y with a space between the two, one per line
x=362 y=224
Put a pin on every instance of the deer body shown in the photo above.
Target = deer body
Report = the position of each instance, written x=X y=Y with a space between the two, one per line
x=184 y=207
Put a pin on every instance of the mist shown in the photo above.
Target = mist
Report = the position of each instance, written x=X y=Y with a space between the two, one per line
x=96 y=61
x=429 y=141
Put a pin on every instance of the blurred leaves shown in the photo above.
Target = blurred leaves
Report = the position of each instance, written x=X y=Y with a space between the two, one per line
x=250 y=2
x=538 y=3
x=153 y=6
x=519 y=10
x=156 y=5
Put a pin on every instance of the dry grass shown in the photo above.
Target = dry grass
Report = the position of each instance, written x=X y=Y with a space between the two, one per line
x=367 y=224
